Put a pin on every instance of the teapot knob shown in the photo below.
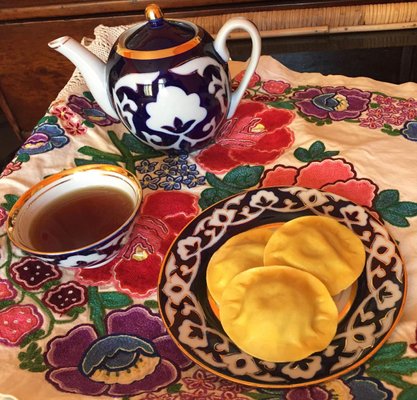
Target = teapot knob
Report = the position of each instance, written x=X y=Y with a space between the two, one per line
x=153 y=12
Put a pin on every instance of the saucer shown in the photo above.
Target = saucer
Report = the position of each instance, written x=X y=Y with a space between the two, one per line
x=367 y=322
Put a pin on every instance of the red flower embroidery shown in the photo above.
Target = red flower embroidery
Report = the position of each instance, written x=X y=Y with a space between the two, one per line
x=256 y=135
x=18 y=321
x=332 y=175
x=162 y=216
x=75 y=127
x=201 y=380
x=66 y=296
x=63 y=112
x=7 y=291
x=254 y=80
x=275 y=87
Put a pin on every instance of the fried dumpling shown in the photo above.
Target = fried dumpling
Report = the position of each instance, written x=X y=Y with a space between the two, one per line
x=278 y=313
x=319 y=245
x=243 y=251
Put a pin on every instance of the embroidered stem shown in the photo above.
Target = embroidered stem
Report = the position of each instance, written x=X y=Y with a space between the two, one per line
x=127 y=156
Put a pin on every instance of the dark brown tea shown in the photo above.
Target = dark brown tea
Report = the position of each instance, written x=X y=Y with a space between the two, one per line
x=79 y=218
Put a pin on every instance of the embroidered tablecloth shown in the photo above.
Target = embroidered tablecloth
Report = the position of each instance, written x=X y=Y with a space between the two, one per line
x=355 y=137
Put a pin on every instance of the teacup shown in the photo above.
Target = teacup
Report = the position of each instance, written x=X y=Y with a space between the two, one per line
x=80 y=217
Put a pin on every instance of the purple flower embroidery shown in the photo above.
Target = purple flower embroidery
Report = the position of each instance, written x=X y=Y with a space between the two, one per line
x=410 y=131
x=45 y=137
x=90 y=111
x=66 y=296
x=137 y=356
x=32 y=273
x=336 y=103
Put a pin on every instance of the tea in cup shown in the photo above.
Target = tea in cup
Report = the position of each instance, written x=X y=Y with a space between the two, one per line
x=80 y=217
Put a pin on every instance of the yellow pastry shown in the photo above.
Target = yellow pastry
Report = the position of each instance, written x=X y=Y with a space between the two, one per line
x=243 y=251
x=278 y=314
x=319 y=245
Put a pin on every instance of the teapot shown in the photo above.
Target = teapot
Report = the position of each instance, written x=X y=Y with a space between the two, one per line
x=166 y=80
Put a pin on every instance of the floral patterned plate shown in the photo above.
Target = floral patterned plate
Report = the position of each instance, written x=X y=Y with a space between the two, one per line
x=185 y=308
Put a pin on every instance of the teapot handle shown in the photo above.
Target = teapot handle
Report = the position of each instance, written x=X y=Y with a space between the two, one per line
x=222 y=50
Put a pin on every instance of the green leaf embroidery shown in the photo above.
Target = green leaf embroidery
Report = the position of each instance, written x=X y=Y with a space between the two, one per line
x=114 y=300
x=174 y=388
x=95 y=160
x=316 y=152
x=394 y=380
x=243 y=177
x=390 y=351
x=387 y=198
x=151 y=304
x=138 y=147
x=23 y=157
x=395 y=219
x=32 y=359
x=5 y=303
x=286 y=105
x=89 y=96
x=210 y=196
x=32 y=337
x=100 y=301
x=406 y=208
x=235 y=181
x=91 y=151
x=75 y=311
x=52 y=119
x=10 y=200
x=316 y=149
x=390 y=131
x=408 y=394
x=302 y=155
x=394 y=211
x=390 y=366
x=89 y=124
x=97 y=312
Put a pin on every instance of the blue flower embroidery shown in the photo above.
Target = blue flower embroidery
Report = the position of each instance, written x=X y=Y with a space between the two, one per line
x=172 y=173
x=45 y=137
x=410 y=131
x=146 y=166
x=172 y=183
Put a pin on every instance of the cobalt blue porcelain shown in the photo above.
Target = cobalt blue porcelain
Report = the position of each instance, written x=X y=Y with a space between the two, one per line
x=166 y=80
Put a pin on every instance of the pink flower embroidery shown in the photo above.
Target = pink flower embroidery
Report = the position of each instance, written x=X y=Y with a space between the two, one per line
x=275 y=87
x=18 y=321
x=331 y=175
x=10 y=168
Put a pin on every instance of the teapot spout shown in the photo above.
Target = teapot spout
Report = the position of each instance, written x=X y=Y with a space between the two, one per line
x=91 y=67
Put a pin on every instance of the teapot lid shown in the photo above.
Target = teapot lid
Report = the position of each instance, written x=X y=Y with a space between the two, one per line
x=158 y=37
